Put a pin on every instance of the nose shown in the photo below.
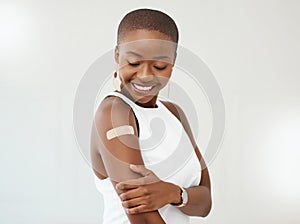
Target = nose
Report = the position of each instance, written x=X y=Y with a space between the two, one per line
x=145 y=74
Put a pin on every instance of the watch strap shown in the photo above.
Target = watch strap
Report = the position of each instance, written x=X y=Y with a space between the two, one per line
x=181 y=203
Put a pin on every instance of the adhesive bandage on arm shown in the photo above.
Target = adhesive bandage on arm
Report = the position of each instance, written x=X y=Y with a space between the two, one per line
x=118 y=131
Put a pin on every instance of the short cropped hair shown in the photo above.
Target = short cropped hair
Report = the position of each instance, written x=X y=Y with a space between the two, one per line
x=148 y=19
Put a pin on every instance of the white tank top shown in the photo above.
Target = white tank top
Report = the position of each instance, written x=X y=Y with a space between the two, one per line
x=166 y=150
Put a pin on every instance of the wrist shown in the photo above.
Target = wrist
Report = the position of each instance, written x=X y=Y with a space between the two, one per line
x=175 y=194
x=184 y=198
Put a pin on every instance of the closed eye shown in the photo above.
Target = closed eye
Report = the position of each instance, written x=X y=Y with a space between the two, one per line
x=160 y=68
x=133 y=64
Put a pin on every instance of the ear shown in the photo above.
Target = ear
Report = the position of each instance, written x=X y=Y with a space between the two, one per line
x=175 y=55
x=117 y=54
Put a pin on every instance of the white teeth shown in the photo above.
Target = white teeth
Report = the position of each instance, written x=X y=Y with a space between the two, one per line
x=142 y=88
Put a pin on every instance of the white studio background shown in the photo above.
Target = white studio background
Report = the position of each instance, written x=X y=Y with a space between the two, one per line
x=252 y=48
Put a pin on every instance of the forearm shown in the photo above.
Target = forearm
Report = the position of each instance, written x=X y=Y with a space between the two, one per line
x=199 y=201
x=152 y=217
x=146 y=218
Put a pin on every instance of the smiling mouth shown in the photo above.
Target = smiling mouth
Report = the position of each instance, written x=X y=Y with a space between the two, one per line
x=143 y=88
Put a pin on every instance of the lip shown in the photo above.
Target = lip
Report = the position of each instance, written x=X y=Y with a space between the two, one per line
x=142 y=88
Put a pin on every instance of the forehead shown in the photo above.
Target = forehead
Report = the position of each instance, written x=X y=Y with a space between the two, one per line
x=148 y=44
x=140 y=34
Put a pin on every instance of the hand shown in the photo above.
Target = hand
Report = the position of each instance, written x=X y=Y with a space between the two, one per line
x=147 y=193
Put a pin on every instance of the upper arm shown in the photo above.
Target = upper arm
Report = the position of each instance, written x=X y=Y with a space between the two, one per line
x=97 y=163
x=178 y=112
x=120 y=151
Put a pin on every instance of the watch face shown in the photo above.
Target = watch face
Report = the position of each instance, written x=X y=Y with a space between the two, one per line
x=185 y=197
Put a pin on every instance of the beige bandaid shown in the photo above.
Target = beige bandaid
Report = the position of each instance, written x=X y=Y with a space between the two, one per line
x=122 y=130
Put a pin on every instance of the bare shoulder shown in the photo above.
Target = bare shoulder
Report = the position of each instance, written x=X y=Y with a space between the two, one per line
x=113 y=111
x=110 y=103
x=176 y=110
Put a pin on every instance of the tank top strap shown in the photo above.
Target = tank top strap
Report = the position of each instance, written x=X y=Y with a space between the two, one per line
x=124 y=98
x=136 y=110
x=132 y=104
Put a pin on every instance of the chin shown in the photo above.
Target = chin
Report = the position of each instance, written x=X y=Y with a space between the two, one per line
x=142 y=99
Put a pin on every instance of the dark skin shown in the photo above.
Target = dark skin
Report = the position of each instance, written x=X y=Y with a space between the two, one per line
x=139 y=189
x=199 y=203
x=114 y=156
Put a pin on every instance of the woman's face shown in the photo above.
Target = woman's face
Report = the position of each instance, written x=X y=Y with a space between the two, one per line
x=145 y=61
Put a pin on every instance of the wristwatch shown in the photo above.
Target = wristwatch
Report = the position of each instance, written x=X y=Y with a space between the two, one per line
x=184 y=198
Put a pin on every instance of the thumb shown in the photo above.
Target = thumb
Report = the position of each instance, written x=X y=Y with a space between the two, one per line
x=140 y=169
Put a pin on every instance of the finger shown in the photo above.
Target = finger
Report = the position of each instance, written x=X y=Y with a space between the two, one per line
x=126 y=186
x=120 y=191
x=140 y=169
x=135 y=193
x=133 y=202
x=138 y=209
x=136 y=182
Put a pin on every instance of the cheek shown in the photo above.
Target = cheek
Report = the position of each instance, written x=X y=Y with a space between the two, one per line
x=125 y=74
x=163 y=80
x=165 y=76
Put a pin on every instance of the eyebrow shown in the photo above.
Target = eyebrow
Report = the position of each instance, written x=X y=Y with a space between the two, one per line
x=140 y=56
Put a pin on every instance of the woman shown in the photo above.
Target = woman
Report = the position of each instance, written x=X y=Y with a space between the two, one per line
x=169 y=180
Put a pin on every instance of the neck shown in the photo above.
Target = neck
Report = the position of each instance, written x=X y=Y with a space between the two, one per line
x=149 y=104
